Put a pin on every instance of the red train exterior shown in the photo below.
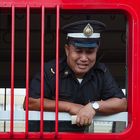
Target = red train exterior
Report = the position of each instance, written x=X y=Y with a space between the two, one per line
x=132 y=11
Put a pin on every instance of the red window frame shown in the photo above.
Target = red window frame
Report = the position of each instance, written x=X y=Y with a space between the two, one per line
x=131 y=10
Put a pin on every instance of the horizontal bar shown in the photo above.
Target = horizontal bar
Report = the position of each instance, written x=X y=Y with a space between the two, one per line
x=35 y=115
x=32 y=4
x=22 y=91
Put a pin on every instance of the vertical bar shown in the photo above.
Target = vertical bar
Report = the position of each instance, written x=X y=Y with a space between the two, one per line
x=57 y=69
x=5 y=108
x=42 y=70
x=12 y=71
x=27 y=65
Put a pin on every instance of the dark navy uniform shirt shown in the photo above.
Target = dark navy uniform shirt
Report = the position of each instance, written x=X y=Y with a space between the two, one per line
x=97 y=84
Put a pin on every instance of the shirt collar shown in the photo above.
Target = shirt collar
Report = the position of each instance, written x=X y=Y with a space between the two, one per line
x=97 y=67
x=100 y=67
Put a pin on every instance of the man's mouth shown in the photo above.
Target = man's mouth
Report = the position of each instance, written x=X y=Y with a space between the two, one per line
x=82 y=66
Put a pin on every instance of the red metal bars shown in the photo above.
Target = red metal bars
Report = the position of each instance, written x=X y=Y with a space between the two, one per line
x=27 y=65
x=57 y=68
x=12 y=71
x=42 y=70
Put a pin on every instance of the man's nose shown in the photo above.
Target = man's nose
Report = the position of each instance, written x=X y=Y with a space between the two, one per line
x=84 y=57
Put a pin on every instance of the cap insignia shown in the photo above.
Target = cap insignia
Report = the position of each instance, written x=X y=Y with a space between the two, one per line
x=88 y=30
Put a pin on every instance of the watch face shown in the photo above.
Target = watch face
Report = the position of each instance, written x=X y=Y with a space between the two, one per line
x=95 y=105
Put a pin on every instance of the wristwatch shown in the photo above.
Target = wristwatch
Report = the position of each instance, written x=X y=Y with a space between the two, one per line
x=95 y=105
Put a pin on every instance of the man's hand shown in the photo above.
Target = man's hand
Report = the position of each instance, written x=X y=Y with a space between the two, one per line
x=74 y=108
x=85 y=115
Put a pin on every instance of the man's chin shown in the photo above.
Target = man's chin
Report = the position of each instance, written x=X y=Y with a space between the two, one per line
x=81 y=72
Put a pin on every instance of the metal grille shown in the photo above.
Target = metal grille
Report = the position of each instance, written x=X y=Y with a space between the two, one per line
x=11 y=134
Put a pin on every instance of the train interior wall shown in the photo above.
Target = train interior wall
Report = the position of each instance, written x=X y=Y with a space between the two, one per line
x=112 y=51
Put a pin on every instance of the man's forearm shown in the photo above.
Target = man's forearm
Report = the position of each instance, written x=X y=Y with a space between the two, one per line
x=113 y=105
x=49 y=105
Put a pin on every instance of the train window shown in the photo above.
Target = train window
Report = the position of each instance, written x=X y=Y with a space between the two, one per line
x=32 y=43
x=112 y=52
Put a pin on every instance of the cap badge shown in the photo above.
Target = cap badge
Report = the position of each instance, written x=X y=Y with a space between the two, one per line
x=88 y=30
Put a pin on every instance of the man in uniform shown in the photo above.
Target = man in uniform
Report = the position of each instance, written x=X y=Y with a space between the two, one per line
x=85 y=86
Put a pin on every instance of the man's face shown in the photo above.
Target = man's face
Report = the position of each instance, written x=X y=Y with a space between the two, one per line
x=80 y=60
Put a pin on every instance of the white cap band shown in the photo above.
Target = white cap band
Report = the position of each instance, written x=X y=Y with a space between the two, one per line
x=81 y=35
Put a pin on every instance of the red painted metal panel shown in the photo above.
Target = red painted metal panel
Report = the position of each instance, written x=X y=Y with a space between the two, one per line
x=131 y=9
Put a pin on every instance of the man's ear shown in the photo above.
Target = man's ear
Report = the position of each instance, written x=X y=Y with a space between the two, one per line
x=66 y=49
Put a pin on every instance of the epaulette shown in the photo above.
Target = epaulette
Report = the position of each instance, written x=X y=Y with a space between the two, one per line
x=50 y=68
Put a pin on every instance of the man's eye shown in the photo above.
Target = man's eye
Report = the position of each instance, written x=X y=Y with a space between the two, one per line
x=89 y=52
x=78 y=50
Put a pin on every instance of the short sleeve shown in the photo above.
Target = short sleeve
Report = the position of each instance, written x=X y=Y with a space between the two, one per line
x=110 y=87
